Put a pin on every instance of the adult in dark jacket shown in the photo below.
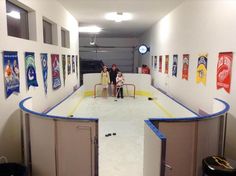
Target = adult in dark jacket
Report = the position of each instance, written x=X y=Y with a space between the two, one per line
x=113 y=74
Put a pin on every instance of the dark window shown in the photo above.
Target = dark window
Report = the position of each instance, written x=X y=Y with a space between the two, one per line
x=47 y=32
x=63 y=38
x=17 y=21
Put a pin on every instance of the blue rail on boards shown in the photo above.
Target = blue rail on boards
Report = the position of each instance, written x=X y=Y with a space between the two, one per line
x=44 y=115
x=209 y=116
x=155 y=130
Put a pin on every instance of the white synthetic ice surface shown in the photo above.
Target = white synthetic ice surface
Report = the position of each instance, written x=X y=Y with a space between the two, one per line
x=120 y=155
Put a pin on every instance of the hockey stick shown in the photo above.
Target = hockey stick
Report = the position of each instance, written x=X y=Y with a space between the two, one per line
x=117 y=93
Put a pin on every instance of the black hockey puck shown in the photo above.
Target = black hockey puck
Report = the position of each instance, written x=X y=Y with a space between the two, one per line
x=107 y=135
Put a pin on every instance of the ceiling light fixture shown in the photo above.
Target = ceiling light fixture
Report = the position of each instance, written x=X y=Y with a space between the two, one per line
x=90 y=29
x=14 y=14
x=118 y=16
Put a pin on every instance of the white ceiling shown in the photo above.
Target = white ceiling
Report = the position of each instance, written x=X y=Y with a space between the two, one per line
x=145 y=12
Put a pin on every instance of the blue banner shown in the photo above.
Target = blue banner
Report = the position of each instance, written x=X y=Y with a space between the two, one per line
x=68 y=65
x=11 y=72
x=44 y=63
x=30 y=70
x=175 y=65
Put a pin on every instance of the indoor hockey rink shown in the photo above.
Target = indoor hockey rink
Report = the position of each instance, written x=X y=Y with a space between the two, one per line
x=120 y=137
x=121 y=121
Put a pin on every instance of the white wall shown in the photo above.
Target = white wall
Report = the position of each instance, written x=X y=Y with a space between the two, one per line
x=9 y=119
x=125 y=59
x=195 y=28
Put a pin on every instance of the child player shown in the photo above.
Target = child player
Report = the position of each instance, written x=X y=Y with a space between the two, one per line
x=119 y=85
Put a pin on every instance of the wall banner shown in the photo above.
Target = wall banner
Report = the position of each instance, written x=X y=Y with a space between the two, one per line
x=202 y=69
x=152 y=61
x=11 y=72
x=175 y=65
x=31 y=78
x=167 y=64
x=56 y=80
x=185 y=69
x=77 y=69
x=224 y=69
x=64 y=68
x=68 y=65
x=44 y=63
x=160 y=63
x=155 y=62
x=73 y=63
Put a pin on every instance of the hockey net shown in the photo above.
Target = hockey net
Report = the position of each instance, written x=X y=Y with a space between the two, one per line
x=128 y=90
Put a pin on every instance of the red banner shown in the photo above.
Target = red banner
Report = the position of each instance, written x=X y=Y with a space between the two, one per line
x=56 y=80
x=224 y=69
x=185 y=66
x=160 y=63
x=167 y=64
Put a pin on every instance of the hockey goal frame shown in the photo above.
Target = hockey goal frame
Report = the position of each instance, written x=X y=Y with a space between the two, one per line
x=125 y=85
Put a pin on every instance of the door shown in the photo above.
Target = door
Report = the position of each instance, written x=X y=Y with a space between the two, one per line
x=76 y=142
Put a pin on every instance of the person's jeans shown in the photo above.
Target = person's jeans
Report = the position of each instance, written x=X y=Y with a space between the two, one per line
x=119 y=91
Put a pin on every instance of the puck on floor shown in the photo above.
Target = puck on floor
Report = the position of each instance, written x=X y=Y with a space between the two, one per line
x=107 y=135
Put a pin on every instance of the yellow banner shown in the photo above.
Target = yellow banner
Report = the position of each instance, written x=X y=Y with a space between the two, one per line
x=202 y=69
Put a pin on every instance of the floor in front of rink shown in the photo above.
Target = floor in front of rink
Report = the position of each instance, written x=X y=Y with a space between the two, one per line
x=122 y=154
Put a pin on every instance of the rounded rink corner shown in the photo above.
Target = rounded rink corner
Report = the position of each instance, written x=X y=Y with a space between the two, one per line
x=73 y=132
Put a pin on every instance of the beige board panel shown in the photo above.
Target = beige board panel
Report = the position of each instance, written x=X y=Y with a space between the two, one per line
x=152 y=153
x=180 y=147
x=75 y=148
x=42 y=137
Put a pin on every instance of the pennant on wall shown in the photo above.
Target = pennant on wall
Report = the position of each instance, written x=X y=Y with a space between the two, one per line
x=155 y=62
x=44 y=63
x=152 y=61
x=160 y=63
x=56 y=81
x=77 y=72
x=11 y=72
x=202 y=69
x=30 y=70
x=68 y=65
x=175 y=65
x=167 y=64
x=224 y=69
x=64 y=68
x=73 y=64
x=185 y=66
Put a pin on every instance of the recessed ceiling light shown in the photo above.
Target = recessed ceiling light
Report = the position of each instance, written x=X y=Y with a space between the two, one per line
x=14 y=14
x=118 y=16
x=90 y=29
